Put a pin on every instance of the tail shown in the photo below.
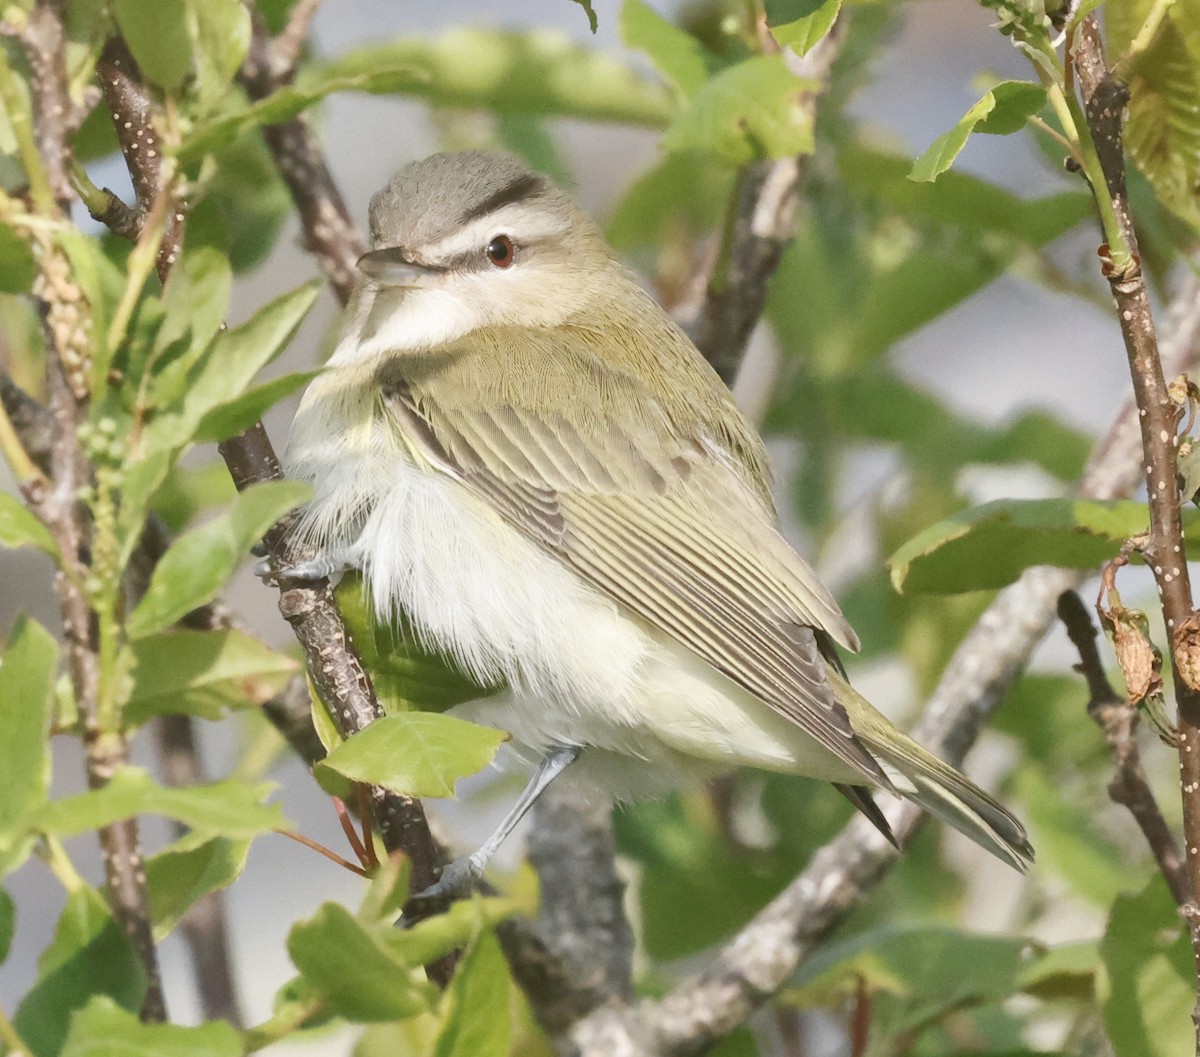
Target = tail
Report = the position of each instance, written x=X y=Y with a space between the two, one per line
x=921 y=777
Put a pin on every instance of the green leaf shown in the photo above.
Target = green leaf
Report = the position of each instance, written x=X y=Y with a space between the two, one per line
x=186 y=491
x=881 y=256
x=20 y=528
x=1002 y=111
x=683 y=197
x=188 y=870
x=203 y=673
x=1147 y=988
x=415 y=753
x=157 y=34
x=353 y=970
x=748 y=111
x=8 y=923
x=17 y=266
x=1162 y=134
x=200 y=562
x=247 y=190
x=89 y=955
x=1067 y=971
x=928 y=970
x=503 y=71
x=875 y=404
x=26 y=687
x=227 y=420
x=408 y=676
x=674 y=51
x=479 y=1022
x=593 y=22
x=435 y=937
x=229 y=366
x=102 y=1029
x=1067 y=840
x=229 y=809
x=799 y=24
x=220 y=31
x=989 y=546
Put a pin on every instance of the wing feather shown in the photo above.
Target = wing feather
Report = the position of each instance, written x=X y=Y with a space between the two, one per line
x=660 y=526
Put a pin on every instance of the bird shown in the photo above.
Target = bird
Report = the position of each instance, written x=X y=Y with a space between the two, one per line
x=529 y=461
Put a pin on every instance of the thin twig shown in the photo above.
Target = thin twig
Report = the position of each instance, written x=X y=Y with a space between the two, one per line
x=1104 y=102
x=1119 y=720
x=760 y=225
x=289 y=42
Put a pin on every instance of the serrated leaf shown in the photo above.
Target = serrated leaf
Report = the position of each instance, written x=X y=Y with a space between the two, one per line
x=102 y=1029
x=228 y=420
x=539 y=72
x=748 y=111
x=20 y=528
x=17 y=266
x=200 y=562
x=157 y=34
x=678 y=55
x=89 y=955
x=800 y=24
x=182 y=873
x=203 y=673
x=415 y=753
x=989 y=546
x=26 y=688
x=351 y=968
x=479 y=1020
x=1148 y=987
x=229 y=809
x=228 y=367
x=1002 y=111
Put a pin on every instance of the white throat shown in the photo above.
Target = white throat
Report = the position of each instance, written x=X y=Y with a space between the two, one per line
x=391 y=321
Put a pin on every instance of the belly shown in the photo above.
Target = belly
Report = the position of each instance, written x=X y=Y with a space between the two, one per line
x=579 y=669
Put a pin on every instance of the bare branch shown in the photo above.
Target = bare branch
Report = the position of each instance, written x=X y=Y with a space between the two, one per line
x=287 y=46
x=760 y=226
x=1119 y=720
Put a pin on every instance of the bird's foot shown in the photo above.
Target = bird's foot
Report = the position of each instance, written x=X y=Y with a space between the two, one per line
x=457 y=879
x=319 y=567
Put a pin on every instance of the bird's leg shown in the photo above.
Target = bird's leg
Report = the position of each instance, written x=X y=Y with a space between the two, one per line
x=318 y=567
x=458 y=876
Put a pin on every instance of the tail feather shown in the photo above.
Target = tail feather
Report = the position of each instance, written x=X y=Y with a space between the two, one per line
x=921 y=777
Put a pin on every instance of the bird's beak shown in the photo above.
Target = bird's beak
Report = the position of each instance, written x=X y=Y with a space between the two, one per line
x=389 y=268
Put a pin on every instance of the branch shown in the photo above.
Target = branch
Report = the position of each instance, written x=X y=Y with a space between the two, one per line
x=763 y=956
x=760 y=226
x=578 y=955
x=329 y=233
x=1119 y=720
x=1104 y=102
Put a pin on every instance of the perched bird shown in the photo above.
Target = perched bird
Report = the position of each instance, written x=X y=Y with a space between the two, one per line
x=529 y=460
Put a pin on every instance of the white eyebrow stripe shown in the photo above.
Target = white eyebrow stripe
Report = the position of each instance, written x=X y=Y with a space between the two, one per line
x=517 y=221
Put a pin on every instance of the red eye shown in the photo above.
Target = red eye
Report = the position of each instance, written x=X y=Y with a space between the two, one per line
x=500 y=251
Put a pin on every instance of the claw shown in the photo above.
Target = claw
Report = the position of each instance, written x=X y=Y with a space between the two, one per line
x=319 y=568
x=458 y=878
